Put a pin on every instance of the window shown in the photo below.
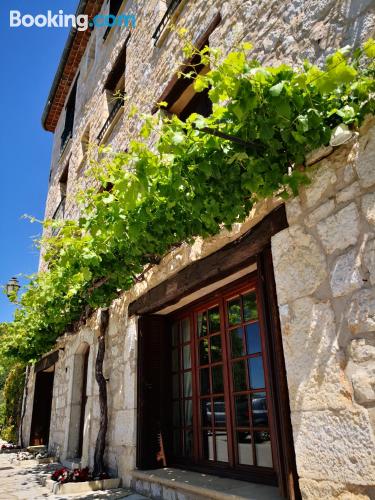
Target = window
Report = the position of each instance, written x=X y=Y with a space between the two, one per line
x=60 y=210
x=115 y=89
x=114 y=7
x=69 y=117
x=220 y=397
x=171 y=6
x=85 y=142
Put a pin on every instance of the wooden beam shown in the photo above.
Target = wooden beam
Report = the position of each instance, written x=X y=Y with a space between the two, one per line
x=228 y=260
x=46 y=362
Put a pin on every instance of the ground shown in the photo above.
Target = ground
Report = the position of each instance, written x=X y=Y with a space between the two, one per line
x=25 y=482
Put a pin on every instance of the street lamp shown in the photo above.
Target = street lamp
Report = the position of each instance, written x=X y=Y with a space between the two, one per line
x=12 y=287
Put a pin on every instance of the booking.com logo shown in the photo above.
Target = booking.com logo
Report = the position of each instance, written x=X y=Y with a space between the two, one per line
x=81 y=22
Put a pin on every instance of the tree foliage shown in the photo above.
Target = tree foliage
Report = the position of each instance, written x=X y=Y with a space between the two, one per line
x=195 y=177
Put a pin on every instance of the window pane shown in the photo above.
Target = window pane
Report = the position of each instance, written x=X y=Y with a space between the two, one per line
x=175 y=360
x=217 y=379
x=176 y=413
x=176 y=442
x=188 y=443
x=259 y=409
x=202 y=324
x=236 y=337
x=263 y=449
x=215 y=342
x=250 y=307
x=253 y=338
x=256 y=372
x=219 y=412
x=245 y=449
x=214 y=320
x=242 y=411
x=205 y=381
x=175 y=388
x=175 y=334
x=206 y=412
x=234 y=311
x=208 y=445
x=187 y=385
x=185 y=327
x=187 y=357
x=221 y=446
x=240 y=376
x=188 y=412
x=203 y=352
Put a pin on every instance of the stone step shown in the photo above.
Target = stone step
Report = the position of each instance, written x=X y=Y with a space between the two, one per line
x=74 y=488
x=186 y=485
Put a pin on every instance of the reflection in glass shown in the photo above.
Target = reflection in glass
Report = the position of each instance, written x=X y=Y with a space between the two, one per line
x=188 y=443
x=249 y=307
x=175 y=360
x=187 y=384
x=221 y=446
x=202 y=324
x=215 y=342
x=259 y=409
x=203 y=352
x=217 y=379
x=253 y=338
x=188 y=412
x=219 y=412
x=206 y=412
x=185 y=327
x=239 y=376
x=175 y=334
x=245 y=450
x=205 y=381
x=242 y=411
x=187 y=357
x=234 y=311
x=176 y=413
x=256 y=372
x=237 y=344
x=175 y=388
x=214 y=320
x=263 y=449
x=208 y=445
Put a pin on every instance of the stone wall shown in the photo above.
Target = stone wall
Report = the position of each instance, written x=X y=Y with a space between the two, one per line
x=324 y=270
x=324 y=262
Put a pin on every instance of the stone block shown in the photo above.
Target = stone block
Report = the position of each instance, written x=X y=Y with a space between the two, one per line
x=293 y=211
x=320 y=213
x=312 y=356
x=335 y=446
x=300 y=266
x=368 y=207
x=366 y=159
x=346 y=275
x=361 y=350
x=318 y=154
x=364 y=385
x=319 y=490
x=361 y=311
x=322 y=180
x=349 y=193
x=369 y=260
x=340 y=230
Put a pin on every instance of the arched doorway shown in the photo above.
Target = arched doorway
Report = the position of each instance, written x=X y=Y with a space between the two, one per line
x=78 y=401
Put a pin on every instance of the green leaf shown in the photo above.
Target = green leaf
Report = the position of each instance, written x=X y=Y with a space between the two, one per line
x=276 y=89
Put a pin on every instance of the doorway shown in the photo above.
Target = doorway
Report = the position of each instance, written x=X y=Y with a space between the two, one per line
x=41 y=417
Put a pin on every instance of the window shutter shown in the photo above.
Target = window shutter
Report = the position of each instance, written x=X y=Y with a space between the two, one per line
x=152 y=392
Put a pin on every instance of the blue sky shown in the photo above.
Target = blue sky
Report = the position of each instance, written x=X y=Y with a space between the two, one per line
x=29 y=59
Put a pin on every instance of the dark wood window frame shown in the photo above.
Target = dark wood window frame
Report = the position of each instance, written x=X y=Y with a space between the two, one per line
x=153 y=424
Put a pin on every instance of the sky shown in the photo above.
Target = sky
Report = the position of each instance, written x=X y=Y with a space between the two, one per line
x=29 y=59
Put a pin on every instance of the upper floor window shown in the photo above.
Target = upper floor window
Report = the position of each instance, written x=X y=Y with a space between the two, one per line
x=115 y=88
x=60 y=210
x=170 y=7
x=69 y=117
x=114 y=7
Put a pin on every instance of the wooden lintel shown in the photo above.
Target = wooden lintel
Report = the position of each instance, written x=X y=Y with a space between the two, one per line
x=228 y=260
x=46 y=362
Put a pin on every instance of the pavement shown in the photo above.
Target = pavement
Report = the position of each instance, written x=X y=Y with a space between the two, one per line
x=25 y=482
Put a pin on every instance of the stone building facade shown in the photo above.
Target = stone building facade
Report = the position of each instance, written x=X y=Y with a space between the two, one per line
x=317 y=332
